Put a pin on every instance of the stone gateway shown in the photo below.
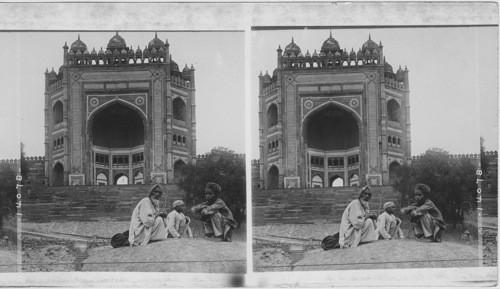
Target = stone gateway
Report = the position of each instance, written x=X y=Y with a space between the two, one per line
x=332 y=118
x=118 y=115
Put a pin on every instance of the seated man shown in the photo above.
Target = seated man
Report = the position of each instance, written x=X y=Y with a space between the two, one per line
x=388 y=225
x=177 y=223
x=217 y=219
x=357 y=224
x=425 y=216
x=146 y=223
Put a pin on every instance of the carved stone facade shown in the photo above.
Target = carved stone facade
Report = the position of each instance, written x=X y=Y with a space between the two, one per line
x=118 y=116
x=332 y=118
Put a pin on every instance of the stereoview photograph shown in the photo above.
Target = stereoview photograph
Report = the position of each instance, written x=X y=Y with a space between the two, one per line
x=374 y=148
x=132 y=151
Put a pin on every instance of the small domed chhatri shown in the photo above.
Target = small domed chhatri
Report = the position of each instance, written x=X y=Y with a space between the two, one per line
x=117 y=42
x=369 y=44
x=292 y=48
x=156 y=43
x=78 y=45
x=330 y=45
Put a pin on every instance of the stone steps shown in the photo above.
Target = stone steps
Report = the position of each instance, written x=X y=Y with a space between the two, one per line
x=311 y=205
x=86 y=202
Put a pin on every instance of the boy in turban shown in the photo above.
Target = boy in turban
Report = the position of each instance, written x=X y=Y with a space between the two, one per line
x=388 y=225
x=177 y=223
x=425 y=216
x=217 y=219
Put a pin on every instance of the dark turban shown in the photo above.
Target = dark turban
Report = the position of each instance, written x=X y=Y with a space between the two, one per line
x=363 y=189
x=424 y=189
x=214 y=187
x=153 y=188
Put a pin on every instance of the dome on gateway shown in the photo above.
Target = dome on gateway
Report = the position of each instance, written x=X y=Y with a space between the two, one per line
x=78 y=45
x=173 y=65
x=117 y=42
x=156 y=43
x=292 y=48
x=330 y=45
x=388 y=67
x=369 y=45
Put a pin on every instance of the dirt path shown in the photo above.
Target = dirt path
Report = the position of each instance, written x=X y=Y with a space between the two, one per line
x=51 y=246
x=396 y=254
x=172 y=255
x=8 y=261
x=272 y=250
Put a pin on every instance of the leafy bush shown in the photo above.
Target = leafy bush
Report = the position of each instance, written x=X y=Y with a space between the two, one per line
x=452 y=180
x=222 y=166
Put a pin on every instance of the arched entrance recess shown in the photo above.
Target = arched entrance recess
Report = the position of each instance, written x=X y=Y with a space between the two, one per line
x=393 y=111
x=392 y=171
x=273 y=178
x=117 y=137
x=58 y=173
x=177 y=169
x=332 y=138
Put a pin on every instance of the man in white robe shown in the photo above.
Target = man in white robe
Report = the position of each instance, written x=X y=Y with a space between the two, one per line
x=146 y=223
x=177 y=222
x=357 y=224
x=388 y=225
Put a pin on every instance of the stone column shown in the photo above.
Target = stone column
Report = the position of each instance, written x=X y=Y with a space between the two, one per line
x=158 y=114
x=372 y=120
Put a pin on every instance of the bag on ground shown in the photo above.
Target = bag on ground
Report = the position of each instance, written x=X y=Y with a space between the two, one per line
x=120 y=240
x=330 y=242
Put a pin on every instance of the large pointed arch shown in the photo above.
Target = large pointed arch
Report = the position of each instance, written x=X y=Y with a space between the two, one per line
x=333 y=132
x=324 y=126
x=115 y=101
x=117 y=125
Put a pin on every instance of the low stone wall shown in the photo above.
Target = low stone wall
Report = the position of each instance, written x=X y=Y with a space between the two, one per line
x=87 y=203
x=312 y=205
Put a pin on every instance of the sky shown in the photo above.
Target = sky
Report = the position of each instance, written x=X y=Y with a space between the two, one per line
x=453 y=75
x=453 y=80
x=217 y=57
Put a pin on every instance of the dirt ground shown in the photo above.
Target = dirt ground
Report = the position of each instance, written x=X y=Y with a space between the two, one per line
x=198 y=255
x=44 y=254
x=8 y=256
x=276 y=255
x=55 y=249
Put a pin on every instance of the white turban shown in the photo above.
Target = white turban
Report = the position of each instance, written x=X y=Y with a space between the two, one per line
x=178 y=203
x=388 y=204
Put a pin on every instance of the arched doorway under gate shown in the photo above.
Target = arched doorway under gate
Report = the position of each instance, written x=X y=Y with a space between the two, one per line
x=393 y=167
x=117 y=138
x=331 y=135
x=58 y=175
x=273 y=178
